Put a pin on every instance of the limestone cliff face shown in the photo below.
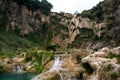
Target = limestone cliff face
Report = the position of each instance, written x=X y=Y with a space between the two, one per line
x=63 y=29
x=73 y=26
x=21 y=18
x=78 y=32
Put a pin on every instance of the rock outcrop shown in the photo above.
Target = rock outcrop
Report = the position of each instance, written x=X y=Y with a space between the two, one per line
x=73 y=25
x=9 y=64
x=65 y=71
x=21 y=18
x=100 y=67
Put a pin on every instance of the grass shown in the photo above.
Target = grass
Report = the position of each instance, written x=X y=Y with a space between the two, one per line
x=111 y=56
x=38 y=68
x=11 y=43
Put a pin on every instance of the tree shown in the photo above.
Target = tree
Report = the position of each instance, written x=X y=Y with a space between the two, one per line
x=44 y=6
x=96 y=13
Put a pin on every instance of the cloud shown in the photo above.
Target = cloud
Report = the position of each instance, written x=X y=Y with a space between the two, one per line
x=70 y=6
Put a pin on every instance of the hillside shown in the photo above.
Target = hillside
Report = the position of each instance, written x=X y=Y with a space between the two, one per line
x=24 y=26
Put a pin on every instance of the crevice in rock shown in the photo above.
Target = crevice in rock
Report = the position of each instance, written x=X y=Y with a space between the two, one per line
x=88 y=68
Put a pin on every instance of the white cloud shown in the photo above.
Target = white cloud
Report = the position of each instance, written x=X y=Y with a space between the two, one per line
x=70 y=6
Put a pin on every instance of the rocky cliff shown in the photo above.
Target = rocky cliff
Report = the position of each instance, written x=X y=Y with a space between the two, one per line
x=61 y=29
x=21 y=27
x=76 y=31
x=94 y=28
x=21 y=18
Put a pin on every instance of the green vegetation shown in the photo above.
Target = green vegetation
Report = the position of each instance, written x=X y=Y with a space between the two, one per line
x=44 y=6
x=109 y=67
x=95 y=13
x=55 y=18
x=113 y=76
x=114 y=56
x=102 y=11
x=33 y=54
x=1 y=69
x=52 y=47
x=86 y=35
x=40 y=57
x=110 y=5
x=38 y=68
x=42 y=36
x=11 y=43
x=3 y=20
x=107 y=12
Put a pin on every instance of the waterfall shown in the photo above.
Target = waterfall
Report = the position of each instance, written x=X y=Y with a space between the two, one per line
x=17 y=68
x=99 y=34
x=57 y=63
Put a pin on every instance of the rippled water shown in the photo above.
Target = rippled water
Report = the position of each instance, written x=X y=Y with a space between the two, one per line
x=16 y=76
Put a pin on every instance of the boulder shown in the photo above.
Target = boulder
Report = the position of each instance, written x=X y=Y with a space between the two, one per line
x=96 y=63
x=116 y=50
x=105 y=49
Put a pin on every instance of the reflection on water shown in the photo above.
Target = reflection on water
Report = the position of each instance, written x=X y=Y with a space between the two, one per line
x=16 y=76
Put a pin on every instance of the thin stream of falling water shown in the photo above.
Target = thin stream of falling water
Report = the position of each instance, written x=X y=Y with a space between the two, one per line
x=99 y=35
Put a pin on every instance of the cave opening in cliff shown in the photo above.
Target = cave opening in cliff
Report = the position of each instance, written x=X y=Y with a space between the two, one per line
x=88 y=68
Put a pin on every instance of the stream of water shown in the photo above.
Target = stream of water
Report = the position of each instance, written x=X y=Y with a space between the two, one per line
x=57 y=64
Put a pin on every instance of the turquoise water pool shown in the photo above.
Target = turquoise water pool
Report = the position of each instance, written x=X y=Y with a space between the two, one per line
x=16 y=76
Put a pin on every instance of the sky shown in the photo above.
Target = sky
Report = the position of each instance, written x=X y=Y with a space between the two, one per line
x=71 y=6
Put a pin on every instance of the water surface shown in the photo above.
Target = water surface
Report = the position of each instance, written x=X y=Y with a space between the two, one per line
x=16 y=76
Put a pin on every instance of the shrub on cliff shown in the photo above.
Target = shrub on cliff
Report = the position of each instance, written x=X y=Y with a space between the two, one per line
x=102 y=10
x=44 y=6
x=1 y=69
x=95 y=13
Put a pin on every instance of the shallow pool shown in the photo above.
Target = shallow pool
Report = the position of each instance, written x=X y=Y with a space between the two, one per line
x=16 y=76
